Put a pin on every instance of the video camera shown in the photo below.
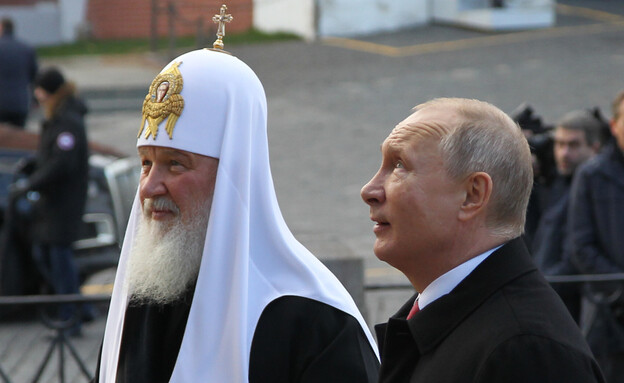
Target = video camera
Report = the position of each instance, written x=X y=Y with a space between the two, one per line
x=540 y=138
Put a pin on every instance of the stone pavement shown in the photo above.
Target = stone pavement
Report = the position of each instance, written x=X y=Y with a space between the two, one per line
x=331 y=104
x=25 y=344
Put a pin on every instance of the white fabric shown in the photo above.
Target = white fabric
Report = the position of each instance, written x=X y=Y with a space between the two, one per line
x=449 y=280
x=250 y=256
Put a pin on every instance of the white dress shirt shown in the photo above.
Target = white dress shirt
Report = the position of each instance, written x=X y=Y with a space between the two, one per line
x=449 y=280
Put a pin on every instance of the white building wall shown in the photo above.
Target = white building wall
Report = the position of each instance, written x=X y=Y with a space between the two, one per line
x=322 y=18
x=361 y=17
x=47 y=23
x=293 y=16
x=73 y=19
x=478 y=14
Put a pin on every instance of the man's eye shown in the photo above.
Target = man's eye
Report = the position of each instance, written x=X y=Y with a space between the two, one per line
x=399 y=165
x=177 y=164
x=145 y=166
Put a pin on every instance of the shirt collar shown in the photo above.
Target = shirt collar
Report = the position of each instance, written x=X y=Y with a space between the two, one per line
x=449 y=280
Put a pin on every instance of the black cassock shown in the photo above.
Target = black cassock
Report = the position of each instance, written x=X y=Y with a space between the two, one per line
x=297 y=339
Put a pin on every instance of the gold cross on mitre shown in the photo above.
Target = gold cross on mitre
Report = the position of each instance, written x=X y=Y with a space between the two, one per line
x=221 y=19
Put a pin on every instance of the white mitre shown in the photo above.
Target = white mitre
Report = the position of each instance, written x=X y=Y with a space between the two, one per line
x=250 y=256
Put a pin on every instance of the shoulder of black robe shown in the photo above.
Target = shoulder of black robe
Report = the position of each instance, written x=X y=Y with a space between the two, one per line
x=301 y=340
x=151 y=340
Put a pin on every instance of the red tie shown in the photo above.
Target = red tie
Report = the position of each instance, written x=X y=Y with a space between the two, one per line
x=414 y=310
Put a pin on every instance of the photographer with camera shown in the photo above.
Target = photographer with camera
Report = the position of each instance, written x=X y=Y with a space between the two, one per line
x=539 y=136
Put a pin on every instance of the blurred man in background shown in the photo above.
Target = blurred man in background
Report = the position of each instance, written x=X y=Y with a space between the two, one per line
x=596 y=235
x=18 y=67
x=575 y=140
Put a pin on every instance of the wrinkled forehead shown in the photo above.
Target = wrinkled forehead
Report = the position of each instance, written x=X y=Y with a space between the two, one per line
x=153 y=151
x=428 y=124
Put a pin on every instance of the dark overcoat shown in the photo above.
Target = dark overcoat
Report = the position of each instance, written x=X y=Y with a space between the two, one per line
x=596 y=219
x=502 y=323
x=18 y=67
x=597 y=213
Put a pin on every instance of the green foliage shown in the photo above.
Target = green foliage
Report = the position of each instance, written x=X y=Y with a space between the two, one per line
x=96 y=47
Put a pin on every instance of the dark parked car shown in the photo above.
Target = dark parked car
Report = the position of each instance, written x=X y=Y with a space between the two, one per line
x=113 y=181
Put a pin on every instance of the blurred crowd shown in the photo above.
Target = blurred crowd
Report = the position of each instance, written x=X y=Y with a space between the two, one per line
x=576 y=215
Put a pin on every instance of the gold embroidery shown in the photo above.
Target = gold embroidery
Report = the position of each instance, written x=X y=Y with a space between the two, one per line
x=163 y=102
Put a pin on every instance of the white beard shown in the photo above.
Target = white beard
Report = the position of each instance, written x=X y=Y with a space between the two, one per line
x=165 y=257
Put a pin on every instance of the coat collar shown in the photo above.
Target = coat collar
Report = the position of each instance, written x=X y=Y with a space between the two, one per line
x=434 y=323
x=615 y=166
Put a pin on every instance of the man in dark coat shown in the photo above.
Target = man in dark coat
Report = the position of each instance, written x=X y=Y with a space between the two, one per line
x=449 y=203
x=59 y=182
x=211 y=284
x=18 y=67
x=576 y=138
x=597 y=240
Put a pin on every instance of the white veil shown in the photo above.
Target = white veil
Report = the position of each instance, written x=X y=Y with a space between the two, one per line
x=250 y=256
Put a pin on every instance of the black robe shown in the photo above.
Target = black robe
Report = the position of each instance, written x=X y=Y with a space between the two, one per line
x=151 y=339
x=296 y=340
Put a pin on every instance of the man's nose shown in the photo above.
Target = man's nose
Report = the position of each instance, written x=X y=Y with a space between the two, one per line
x=153 y=184
x=373 y=192
x=566 y=150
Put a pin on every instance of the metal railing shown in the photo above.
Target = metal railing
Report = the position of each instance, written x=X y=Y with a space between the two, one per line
x=60 y=340
x=577 y=278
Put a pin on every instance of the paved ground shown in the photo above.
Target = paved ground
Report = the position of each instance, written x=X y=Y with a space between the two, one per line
x=332 y=102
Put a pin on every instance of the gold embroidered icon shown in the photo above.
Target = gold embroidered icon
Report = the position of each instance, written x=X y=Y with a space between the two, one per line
x=163 y=102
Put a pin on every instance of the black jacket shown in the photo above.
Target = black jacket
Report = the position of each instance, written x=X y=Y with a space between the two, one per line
x=597 y=213
x=596 y=220
x=548 y=247
x=18 y=67
x=502 y=323
x=61 y=171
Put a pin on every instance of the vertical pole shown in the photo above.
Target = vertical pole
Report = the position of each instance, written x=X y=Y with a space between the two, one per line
x=154 y=27
x=199 y=40
x=61 y=351
x=171 y=17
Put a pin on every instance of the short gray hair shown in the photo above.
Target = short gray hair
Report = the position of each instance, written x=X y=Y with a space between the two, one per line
x=584 y=121
x=488 y=140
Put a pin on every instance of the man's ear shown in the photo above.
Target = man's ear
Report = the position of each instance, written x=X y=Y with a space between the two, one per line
x=478 y=188
x=612 y=128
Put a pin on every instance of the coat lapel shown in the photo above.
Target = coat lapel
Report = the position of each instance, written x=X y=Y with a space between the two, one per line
x=436 y=321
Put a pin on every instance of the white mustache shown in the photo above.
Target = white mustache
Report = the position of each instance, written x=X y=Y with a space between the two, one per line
x=159 y=203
